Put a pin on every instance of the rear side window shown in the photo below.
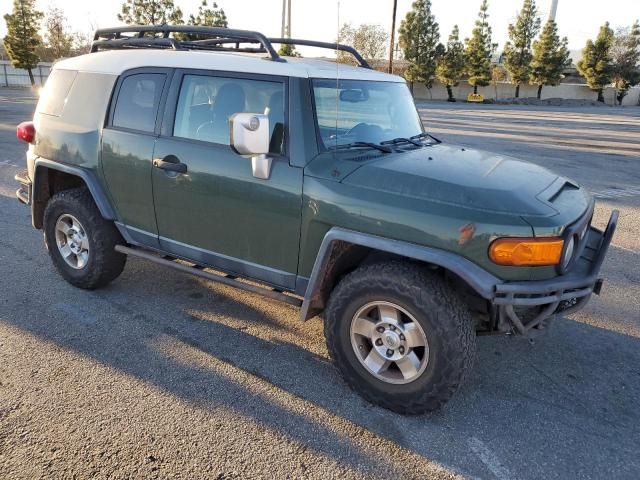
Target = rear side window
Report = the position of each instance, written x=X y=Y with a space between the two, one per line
x=137 y=103
x=54 y=96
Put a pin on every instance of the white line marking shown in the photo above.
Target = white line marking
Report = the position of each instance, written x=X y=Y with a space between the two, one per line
x=489 y=458
x=626 y=249
x=617 y=193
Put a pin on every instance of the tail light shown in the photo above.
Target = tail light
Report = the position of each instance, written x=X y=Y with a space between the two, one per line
x=26 y=132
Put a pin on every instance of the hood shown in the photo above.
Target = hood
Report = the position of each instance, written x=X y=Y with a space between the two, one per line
x=463 y=177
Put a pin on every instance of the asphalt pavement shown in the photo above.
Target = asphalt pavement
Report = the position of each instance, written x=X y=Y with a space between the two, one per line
x=162 y=375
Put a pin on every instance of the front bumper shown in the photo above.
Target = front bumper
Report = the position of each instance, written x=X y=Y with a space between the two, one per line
x=563 y=294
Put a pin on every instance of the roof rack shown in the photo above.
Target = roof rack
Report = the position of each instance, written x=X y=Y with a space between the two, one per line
x=331 y=46
x=145 y=36
x=190 y=37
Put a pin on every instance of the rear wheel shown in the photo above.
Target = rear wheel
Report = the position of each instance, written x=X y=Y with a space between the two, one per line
x=400 y=336
x=80 y=242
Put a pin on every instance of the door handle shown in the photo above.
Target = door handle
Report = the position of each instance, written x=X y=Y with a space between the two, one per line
x=170 y=166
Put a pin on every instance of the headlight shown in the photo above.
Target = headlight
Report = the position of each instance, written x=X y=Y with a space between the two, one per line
x=568 y=252
x=528 y=252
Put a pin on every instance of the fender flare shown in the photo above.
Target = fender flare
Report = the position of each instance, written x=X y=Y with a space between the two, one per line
x=476 y=277
x=87 y=176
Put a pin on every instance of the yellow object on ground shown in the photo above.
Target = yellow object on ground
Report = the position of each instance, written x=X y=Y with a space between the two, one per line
x=475 y=98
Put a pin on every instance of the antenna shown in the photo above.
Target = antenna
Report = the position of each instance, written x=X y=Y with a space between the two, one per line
x=337 y=74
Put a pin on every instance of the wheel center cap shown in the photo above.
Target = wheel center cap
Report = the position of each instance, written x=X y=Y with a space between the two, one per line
x=391 y=339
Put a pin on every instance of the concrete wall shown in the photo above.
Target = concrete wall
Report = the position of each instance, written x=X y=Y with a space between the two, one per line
x=16 y=77
x=506 y=90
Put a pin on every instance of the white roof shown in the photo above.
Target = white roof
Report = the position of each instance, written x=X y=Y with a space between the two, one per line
x=117 y=61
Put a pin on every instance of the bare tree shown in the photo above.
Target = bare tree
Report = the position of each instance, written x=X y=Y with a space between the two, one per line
x=369 y=40
x=81 y=43
x=58 y=39
x=625 y=54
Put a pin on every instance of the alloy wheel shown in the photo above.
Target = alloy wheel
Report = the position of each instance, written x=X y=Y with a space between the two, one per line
x=72 y=241
x=389 y=342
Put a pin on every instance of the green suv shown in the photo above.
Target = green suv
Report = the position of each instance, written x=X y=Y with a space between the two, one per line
x=310 y=182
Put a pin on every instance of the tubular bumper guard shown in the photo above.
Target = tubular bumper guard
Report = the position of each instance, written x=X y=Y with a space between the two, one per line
x=564 y=294
x=24 y=192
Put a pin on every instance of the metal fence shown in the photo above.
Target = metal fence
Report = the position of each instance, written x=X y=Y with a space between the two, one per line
x=17 y=77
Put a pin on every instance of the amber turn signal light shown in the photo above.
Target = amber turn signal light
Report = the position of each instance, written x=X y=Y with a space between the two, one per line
x=526 y=251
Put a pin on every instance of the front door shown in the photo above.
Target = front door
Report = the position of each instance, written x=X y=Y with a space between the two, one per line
x=208 y=205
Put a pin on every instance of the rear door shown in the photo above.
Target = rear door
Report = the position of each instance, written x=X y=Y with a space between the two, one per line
x=215 y=211
x=127 y=150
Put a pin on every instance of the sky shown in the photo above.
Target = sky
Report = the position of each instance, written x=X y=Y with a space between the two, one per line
x=319 y=19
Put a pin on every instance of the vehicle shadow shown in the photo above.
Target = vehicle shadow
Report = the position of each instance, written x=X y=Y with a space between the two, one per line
x=578 y=382
x=132 y=329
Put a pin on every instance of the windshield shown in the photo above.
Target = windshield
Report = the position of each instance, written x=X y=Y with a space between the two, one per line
x=349 y=111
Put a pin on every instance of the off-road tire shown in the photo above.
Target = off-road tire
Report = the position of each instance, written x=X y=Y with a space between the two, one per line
x=442 y=314
x=104 y=263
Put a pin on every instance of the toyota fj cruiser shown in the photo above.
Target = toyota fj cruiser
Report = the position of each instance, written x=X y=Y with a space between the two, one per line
x=203 y=150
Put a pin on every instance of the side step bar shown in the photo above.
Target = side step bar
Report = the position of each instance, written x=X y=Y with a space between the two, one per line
x=198 y=271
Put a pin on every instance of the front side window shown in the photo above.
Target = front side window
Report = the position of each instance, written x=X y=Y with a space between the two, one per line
x=138 y=100
x=206 y=103
x=350 y=111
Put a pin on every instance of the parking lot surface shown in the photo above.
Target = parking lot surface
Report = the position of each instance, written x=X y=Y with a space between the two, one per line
x=162 y=375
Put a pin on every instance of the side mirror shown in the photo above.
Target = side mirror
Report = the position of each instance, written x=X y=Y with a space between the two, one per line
x=249 y=135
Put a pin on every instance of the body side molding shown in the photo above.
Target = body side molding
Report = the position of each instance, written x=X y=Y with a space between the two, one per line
x=480 y=280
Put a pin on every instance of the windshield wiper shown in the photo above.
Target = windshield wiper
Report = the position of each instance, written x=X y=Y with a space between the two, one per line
x=377 y=146
x=395 y=141
x=425 y=135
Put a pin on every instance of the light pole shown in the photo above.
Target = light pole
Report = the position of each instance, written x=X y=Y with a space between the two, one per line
x=393 y=35
x=285 y=30
x=284 y=14
x=554 y=10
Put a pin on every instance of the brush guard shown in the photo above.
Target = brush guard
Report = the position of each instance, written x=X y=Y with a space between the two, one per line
x=564 y=294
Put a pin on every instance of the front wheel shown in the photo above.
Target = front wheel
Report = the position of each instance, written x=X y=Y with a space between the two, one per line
x=400 y=336
x=80 y=242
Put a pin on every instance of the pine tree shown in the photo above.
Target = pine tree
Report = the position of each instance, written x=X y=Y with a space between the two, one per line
x=288 y=50
x=625 y=55
x=59 y=41
x=498 y=74
x=451 y=64
x=420 y=41
x=150 y=12
x=209 y=17
x=517 y=51
x=550 y=58
x=479 y=50
x=595 y=64
x=22 y=37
